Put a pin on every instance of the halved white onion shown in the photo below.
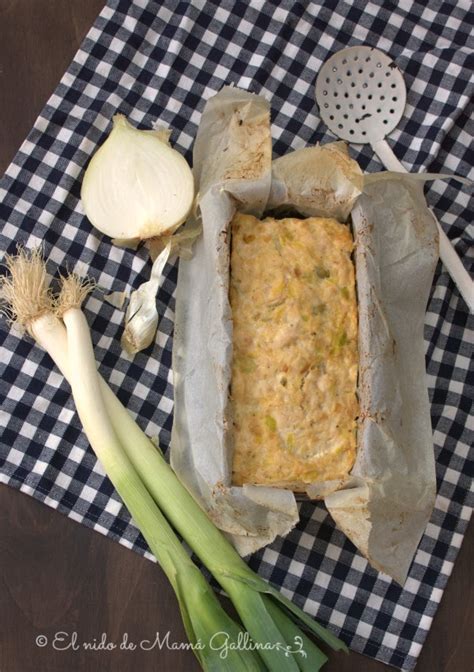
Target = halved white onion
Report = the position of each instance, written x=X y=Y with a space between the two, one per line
x=136 y=185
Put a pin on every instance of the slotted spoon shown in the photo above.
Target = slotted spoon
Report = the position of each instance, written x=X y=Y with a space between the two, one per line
x=361 y=96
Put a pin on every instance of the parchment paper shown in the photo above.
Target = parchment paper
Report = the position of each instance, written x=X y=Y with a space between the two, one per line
x=385 y=505
x=320 y=181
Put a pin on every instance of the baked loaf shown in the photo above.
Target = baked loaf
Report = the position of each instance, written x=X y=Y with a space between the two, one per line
x=295 y=362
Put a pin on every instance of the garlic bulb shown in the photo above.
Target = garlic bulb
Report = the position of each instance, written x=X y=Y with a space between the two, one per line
x=136 y=185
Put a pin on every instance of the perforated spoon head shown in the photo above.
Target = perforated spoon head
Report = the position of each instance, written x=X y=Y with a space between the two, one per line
x=361 y=94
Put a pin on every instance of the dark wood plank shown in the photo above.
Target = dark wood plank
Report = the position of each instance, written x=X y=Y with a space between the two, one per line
x=38 y=41
x=60 y=576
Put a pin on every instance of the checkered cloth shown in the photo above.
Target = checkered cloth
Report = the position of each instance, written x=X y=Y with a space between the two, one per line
x=163 y=60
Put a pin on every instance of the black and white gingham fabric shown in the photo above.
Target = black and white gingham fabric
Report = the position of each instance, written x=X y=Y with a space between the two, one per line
x=163 y=60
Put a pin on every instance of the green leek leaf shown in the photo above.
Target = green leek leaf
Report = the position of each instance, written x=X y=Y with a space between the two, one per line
x=258 y=584
x=308 y=657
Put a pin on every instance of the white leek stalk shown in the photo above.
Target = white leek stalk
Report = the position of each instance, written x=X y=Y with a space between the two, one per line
x=223 y=561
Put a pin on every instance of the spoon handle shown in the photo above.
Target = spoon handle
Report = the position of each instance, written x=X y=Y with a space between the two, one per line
x=387 y=157
x=447 y=253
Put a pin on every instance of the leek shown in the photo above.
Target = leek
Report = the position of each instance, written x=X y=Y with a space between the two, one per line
x=242 y=586
x=149 y=489
x=29 y=305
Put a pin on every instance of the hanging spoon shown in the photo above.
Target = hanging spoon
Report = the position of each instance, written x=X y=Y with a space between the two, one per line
x=361 y=96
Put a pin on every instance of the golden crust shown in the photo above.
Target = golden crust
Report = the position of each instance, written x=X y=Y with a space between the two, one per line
x=295 y=359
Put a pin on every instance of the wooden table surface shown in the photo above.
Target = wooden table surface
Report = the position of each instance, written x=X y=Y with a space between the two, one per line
x=58 y=576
